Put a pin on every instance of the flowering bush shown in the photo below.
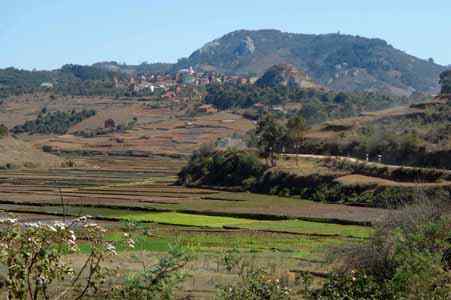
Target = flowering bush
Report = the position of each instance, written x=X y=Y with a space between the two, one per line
x=33 y=255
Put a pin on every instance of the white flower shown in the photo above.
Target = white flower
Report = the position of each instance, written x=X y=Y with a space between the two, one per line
x=110 y=248
x=131 y=243
x=52 y=228
x=8 y=221
x=82 y=219
x=60 y=225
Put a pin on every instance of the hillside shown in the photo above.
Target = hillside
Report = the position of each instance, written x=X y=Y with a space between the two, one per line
x=418 y=135
x=341 y=62
x=18 y=153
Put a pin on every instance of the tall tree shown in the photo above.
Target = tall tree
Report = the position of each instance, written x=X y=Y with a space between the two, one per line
x=296 y=131
x=270 y=137
x=445 y=81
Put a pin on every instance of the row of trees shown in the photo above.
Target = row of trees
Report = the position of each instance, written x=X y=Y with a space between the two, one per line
x=273 y=137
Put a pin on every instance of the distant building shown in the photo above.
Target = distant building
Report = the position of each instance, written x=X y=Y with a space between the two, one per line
x=277 y=108
x=207 y=108
x=47 y=85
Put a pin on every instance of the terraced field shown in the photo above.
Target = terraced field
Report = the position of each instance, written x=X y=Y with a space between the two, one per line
x=279 y=233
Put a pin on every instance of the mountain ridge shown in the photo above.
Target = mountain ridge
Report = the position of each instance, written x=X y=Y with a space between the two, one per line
x=339 y=61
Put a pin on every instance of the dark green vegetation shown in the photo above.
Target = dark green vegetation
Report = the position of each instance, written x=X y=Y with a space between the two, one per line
x=53 y=122
x=3 y=130
x=229 y=168
x=317 y=105
x=408 y=257
x=70 y=79
x=244 y=171
x=445 y=81
x=339 y=61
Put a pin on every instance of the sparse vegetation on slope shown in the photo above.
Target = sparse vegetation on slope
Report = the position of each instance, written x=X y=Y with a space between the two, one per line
x=316 y=105
x=342 y=62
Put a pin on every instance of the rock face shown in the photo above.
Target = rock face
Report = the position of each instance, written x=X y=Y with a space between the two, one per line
x=340 y=62
x=246 y=47
x=287 y=76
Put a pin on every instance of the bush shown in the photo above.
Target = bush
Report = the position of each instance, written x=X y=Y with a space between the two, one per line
x=254 y=283
x=229 y=168
x=3 y=130
x=406 y=258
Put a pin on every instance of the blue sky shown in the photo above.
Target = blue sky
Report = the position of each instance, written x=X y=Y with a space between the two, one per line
x=45 y=34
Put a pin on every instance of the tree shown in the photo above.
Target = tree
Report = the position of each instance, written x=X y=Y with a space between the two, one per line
x=270 y=137
x=445 y=81
x=295 y=132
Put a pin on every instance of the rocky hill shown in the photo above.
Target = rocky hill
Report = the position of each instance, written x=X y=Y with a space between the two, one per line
x=287 y=76
x=341 y=62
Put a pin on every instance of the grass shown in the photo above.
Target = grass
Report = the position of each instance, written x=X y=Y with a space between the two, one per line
x=213 y=242
x=175 y=218
x=313 y=228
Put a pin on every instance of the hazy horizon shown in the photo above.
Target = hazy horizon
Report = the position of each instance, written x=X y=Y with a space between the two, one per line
x=47 y=34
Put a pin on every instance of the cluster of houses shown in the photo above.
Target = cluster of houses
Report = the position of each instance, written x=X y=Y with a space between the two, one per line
x=174 y=82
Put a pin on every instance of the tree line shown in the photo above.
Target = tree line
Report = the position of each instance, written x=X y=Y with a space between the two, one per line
x=57 y=122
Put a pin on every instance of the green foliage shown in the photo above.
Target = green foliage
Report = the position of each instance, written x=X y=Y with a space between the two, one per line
x=445 y=81
x=404 y=259
x=318 y=105
x=254 y=282
x=270 y=136
x=3 y=130
x=296 y=130
x=157 y=281
x=53 y=122
x=229 y=168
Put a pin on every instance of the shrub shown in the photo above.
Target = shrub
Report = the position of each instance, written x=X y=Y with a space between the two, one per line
x=229 y=168
x=3 y=130
x=155 y=282
x=254 y=283
x=404 y=259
